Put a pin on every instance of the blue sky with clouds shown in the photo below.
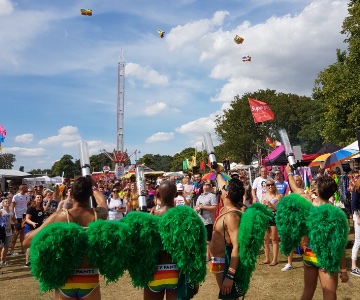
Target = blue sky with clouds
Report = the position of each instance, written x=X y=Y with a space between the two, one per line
x=58 y=69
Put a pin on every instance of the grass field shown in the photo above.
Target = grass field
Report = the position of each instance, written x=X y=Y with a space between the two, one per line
x=267 y=282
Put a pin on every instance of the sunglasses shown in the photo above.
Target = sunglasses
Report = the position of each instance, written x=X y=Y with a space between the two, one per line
x=270 y=184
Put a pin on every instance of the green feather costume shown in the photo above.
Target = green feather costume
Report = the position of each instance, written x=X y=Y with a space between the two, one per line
x=325 y=225
x=52 y=262
x=254 y=223
x=291 y=215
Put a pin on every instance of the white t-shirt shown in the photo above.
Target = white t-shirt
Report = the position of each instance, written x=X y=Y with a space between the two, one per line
x=6 y=216
x=21 y=204
x=259 y=185
x=113 y=205
x=179 y=200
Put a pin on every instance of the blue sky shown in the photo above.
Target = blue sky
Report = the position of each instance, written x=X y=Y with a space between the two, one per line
x=58 y=69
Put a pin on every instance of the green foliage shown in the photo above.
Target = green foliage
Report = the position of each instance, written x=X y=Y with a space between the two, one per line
x=241 y=138
x=337 y=87
x=178 y=158
x=97 y=162
x=7 y=160
x=157 y=162
x=66 y=165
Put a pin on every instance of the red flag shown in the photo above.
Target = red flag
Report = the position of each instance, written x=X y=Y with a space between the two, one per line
x=270 y=142
x=260 y=111
x=202 y=166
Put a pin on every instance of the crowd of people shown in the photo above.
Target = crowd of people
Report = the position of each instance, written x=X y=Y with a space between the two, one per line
x=218 y=203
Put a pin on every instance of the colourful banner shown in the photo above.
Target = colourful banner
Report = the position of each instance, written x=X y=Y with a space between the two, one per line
x=260 y=111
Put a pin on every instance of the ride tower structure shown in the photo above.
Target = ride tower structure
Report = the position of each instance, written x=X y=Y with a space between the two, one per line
x=119 y=155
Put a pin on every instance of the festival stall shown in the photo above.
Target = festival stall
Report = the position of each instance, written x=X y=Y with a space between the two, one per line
x=11 y=177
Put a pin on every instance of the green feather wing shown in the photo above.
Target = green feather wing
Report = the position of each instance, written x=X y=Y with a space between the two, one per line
x=328 y=234
x=107 y=241
x=55 y=252
x=184 y=237
x=142 y=248
x=292 y=213
x=254 y=223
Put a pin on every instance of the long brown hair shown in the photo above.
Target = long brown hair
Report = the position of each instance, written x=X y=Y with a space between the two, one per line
x=33 y=204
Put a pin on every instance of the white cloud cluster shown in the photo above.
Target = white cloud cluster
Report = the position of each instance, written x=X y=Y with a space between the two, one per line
x=26 y=138
x=158 y=108
x=160 y=137
x=6 y=7
x=190 y=32
x=26 y=152
x=146 y=74
x=287 y=52
x=68 y=136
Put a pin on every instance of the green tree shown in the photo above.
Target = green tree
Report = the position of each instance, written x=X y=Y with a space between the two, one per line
x=7 y=160
x=178 y=158
x=337 y=87
x=98 y=161
x=21 y=168
x=66 y=165
x=157 y=162
x=241 y=138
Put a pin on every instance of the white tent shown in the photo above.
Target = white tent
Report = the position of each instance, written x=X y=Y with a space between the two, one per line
x=353 y=146
x=45 y=181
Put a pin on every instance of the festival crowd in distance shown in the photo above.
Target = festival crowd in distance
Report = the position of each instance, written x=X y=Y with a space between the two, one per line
x=24 y=209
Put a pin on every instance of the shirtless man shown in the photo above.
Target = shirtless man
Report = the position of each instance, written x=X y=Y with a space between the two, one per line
x=224 y=247
x=167 y=192
x=82 y=214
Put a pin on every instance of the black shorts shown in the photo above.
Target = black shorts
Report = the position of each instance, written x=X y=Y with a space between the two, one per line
x=272 y=222
x=209 y=230
x=18 y=224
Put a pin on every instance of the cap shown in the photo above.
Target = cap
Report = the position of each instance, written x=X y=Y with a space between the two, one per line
x=179 y=187
x=234 y=174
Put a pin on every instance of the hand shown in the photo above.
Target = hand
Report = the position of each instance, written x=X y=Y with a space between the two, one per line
x=288 y=169
x=358 y=220
x=226 y=286
x=201 y=206
x=34 y=224
x=344 y=277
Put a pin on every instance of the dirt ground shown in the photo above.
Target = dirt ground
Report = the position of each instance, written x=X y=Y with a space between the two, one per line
x=267 y=282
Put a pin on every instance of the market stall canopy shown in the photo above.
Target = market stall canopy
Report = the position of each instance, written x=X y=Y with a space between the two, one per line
x=278 y=158
x=8 y=173
x=328 y=148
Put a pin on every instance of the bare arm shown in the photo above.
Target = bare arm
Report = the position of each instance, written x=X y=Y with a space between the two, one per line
x=56 y=217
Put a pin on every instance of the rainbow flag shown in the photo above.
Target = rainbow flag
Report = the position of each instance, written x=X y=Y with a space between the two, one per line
x=306 y=179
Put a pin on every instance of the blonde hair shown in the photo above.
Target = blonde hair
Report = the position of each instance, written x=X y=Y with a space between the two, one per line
x=272 y=181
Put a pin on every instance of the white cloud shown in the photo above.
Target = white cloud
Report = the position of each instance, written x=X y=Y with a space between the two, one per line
x=287 y=52
x=160 y=137
x=6 y=7
x=193 y=31
x=26 y=138
x=68 y=136
x=146 y=74
x=158 y=108
x=26 y=152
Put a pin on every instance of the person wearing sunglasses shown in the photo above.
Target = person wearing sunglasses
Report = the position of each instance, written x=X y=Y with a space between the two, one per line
x=271 y=198
x=116 y=206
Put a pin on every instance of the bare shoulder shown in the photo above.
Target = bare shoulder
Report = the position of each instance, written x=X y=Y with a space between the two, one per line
x=232 y=220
